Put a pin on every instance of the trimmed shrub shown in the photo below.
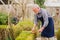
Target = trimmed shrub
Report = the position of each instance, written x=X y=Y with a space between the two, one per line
x=25 y=25
x=58 y=34
x=25 y=35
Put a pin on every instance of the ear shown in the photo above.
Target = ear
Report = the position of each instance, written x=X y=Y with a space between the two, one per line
x=38 y=8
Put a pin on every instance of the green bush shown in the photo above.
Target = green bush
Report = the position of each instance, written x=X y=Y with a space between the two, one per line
x=14 y=20
x=25 y=25
x=25 y=35
x=3 y=18
x=58 y=34
x=40 y=3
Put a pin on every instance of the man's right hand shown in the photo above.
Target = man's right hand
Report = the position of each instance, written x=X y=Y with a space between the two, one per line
x=33 y=31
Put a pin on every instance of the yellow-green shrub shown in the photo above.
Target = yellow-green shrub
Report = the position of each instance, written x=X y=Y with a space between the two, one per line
x=25 y=35
x=58 y=34
x=25 y=25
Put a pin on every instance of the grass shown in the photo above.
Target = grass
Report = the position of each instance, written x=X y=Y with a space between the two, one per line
x=3 y=26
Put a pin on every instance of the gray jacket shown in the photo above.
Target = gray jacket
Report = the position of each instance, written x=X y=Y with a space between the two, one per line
x=42 y=13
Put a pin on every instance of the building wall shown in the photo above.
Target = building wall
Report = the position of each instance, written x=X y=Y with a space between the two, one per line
x=55 y=13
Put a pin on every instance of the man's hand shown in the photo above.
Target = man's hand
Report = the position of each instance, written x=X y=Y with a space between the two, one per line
x=33 y=31
x=41 y=29
x=34 y=28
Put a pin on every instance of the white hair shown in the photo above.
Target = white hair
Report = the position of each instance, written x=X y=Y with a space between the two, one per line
x=35 y=5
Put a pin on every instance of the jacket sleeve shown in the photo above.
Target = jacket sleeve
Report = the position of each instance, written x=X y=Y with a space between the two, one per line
x=45 y=17
x=35 y=19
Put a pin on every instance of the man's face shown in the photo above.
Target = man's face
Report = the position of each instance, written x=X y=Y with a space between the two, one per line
x=36 y=10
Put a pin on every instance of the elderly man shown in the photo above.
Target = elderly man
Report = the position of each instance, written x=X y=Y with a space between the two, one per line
x=47 y=28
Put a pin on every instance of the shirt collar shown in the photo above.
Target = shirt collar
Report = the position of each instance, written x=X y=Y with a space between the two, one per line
x=40 y=11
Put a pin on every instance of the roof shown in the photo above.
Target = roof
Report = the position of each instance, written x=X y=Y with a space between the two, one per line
x=52 y=4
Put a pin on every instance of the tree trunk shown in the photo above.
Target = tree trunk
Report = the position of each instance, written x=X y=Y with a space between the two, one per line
x=2 y=34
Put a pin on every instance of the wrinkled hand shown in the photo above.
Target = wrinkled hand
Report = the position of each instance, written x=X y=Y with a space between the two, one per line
x=41 y=29
x=33 y=31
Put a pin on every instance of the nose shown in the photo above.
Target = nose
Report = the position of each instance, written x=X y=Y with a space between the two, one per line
x=36 y=10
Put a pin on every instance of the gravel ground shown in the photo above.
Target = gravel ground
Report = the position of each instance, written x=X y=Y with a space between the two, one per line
x=39 y=38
